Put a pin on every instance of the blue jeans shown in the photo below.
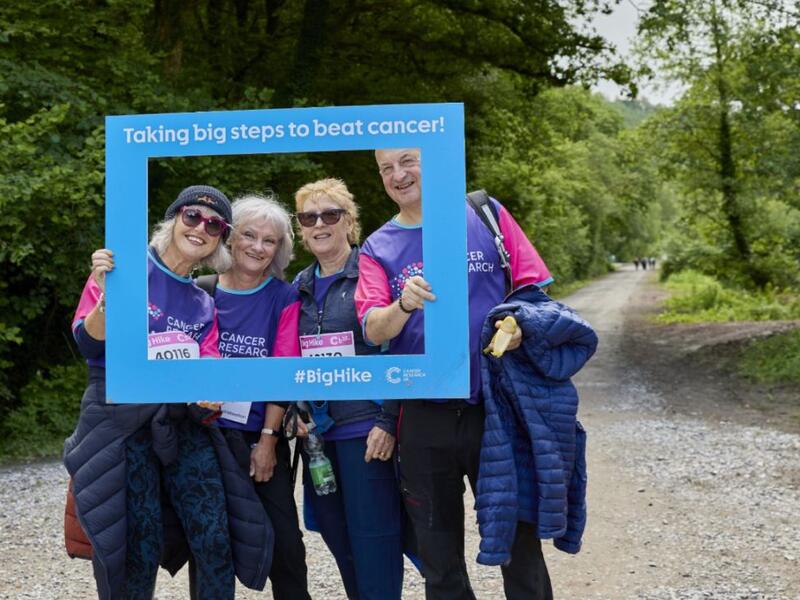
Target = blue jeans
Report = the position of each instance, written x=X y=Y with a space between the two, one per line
x=361 y=522
x=194 y=486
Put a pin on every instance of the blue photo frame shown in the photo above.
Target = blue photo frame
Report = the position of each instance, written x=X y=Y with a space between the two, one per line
x=442 y=372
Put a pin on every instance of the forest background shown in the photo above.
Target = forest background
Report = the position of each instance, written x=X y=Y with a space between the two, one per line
x=710 y=184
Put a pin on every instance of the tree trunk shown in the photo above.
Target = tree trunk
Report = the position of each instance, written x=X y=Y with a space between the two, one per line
x=727 y=163
x=242 y=7
x=168 y=20
x=308 y=54
x=214 y=34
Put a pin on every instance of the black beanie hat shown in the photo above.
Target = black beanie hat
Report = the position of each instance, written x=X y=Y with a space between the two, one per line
x=202 y=195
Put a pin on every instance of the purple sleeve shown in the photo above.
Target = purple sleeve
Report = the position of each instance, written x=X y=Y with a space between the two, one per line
x=87 y=345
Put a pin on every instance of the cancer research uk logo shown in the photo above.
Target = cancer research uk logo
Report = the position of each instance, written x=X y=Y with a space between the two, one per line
x=395 y=375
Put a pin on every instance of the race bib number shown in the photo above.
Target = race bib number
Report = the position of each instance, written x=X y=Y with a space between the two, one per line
x=328 y=344
x=238 y=412
x=171 y=345
x=175 y=345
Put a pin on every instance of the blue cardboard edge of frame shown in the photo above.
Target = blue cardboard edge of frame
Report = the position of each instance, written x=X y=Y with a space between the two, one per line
x=436 y=129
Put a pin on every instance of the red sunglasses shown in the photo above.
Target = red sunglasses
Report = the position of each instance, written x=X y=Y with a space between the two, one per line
x=192 y=217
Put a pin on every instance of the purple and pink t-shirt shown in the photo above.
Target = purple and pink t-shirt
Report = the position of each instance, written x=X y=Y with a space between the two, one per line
x=257 y=323
x=393 y=254
x=174 y=303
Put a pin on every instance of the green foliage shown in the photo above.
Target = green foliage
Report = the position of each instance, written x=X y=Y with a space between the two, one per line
x=730 y=152
x=47 y=415
x=701 y=238
x=557 y=159
x=730 y=148
x=775 y=359
x=634 y=111
x=51 y=202
x=587 y=188
x=699 y=298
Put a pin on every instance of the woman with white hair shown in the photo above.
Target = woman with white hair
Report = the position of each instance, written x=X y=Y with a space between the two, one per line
x=258 y=314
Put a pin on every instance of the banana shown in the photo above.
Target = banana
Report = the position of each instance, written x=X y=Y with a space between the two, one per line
x=502 y=337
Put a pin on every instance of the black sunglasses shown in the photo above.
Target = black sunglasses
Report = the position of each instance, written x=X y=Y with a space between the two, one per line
x=329 y=217
x=192 y=217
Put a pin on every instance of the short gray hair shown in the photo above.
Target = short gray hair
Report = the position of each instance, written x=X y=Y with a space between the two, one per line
x=253 y=207
x=220 y=260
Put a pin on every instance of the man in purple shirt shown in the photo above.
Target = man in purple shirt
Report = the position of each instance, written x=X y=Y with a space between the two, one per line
x=440 y=440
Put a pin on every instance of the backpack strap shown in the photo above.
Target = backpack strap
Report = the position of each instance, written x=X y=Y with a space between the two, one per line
x=487 y=212
x=208 y=283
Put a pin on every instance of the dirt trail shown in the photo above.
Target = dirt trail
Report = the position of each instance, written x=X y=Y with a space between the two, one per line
x=690 y=494
x=694 y=487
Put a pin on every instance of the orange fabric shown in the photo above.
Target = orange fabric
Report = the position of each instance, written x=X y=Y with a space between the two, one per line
x=78 y=545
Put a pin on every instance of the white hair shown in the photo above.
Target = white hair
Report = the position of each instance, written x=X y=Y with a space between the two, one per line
x=220 y=260
x=253 y=208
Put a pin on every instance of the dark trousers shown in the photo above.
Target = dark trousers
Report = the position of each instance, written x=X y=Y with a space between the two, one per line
x=361 y=522
x=288 y=574
x=440 y=443
x=194 y=487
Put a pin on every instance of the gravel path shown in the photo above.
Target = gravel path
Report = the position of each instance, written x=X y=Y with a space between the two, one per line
x=682 y=505
x=36 y=566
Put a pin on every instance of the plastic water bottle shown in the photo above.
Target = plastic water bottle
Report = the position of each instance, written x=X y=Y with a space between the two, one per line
x=320 y=466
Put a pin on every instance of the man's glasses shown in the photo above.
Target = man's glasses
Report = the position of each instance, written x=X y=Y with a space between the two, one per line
x=192 y=217
x=329 y=217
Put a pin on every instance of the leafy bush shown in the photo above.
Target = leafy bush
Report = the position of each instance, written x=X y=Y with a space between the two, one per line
x=697 y=298
x=47 y=414
x=775 y=359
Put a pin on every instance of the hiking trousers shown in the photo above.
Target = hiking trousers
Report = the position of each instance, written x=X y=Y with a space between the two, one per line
x=439 y=444
x=194 y=487
x=289 y=573
x=361 y=521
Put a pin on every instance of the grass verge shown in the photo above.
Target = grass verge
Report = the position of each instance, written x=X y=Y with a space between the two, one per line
x=775 y=359
x=698 y=298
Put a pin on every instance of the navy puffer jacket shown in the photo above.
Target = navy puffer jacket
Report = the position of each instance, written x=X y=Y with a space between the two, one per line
x=95 y=458
x=533 y=465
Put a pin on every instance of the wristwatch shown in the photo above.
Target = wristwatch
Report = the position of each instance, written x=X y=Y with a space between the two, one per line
x=270 y=431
